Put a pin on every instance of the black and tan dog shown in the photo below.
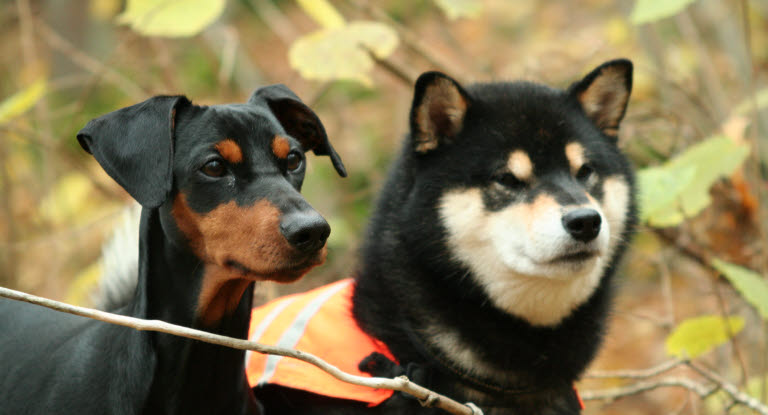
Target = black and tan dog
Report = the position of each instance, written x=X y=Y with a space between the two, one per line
x=488 y=265
x=219 y=187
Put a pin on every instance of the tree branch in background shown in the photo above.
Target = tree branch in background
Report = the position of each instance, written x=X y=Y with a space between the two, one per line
x=90 y=64
x=427 y=397
x=713 y=383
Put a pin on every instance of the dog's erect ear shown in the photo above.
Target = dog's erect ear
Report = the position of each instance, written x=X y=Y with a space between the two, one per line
x=604 y=94
x=299 y=121
x=134 y=145
x=437 y=112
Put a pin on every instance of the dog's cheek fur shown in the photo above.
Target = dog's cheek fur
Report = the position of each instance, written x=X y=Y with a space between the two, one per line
x=248 y=235
x=493 y=245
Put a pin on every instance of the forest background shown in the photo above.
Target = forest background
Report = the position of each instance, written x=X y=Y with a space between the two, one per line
x=693 y=298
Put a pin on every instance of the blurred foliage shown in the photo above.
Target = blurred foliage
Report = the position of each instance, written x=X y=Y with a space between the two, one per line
x=679 y=188
x=696 y=129
x=340 y=50
x=176 y=18
x=750 y=284
x=647 y=11
x=698 y=335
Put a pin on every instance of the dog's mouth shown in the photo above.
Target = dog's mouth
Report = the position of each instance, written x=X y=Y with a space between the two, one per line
x=574 y=258
x=288 y=271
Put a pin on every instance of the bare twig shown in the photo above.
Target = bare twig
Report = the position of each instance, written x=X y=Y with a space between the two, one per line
x=409 y=39
x=738 y=397
x=613 y=394
x=401 y=383
x=90 y=64
x=636 y=374
x=713 y=383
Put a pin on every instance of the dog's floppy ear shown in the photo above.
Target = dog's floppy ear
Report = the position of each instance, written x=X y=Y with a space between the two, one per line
x=299 y=121
x=437 y=112
x=604 y=94
x=134 y=145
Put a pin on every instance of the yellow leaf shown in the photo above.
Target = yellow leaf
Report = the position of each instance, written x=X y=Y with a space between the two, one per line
x=83 y=285
x=104 y=9
x=698 y=335
x=323 y=13
x=68 y=199
x=171 y=18
x=456 y=9
x=342 y=53
x=21 y=101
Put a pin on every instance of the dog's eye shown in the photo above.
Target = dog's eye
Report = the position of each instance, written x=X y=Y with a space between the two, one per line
x=508 y=180
x=293 y=160
x=585 y=172
x=214 y=168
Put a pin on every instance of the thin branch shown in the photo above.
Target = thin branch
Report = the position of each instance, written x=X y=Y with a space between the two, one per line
x=613 y=394
x=411 y=41
x=402 y=384
x=90 y=64
x=387 y=64
x=636 y=374
x=738 y=397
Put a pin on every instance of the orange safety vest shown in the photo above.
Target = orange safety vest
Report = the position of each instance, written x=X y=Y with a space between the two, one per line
x=319 y=322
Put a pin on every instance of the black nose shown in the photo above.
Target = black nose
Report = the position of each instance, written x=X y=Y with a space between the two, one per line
x=306 y=232
x=582 y=224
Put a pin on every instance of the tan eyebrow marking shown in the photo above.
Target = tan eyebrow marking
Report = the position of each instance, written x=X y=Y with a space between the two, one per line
x=280 y=147
x=229 y=149
x=575 y=154
x=520 y=165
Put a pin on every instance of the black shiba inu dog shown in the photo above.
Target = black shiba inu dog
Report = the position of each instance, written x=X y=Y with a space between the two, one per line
x=488 y=265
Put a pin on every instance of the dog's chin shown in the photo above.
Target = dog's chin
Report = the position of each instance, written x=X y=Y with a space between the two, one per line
x=288 y=271
x=563 y=267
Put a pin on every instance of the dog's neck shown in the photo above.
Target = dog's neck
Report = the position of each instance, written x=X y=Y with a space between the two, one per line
x=188 y=374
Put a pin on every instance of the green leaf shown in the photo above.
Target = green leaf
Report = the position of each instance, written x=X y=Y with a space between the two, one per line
x=746 y=106
x=171 y=18
x=659 y=188
x=748 y=283
x=342 y=53
x=323 y=13
x=21 y=101
x=456 y=9
x=698 y=335
x=647 y=11
x=669 y=195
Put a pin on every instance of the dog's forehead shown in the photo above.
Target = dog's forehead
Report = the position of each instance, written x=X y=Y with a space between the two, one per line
x=536 y=119
x=246 y=124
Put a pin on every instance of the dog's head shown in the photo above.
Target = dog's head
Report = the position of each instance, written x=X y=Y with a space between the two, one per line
x=529 y=188
x=225 y=178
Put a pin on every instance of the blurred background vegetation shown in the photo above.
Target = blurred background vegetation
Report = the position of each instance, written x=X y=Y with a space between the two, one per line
x=697 y=126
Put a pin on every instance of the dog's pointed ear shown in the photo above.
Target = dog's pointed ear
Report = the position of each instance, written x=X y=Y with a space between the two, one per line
x=604 y=94
x=134 y=145
x=299 y=121
x=437 y=112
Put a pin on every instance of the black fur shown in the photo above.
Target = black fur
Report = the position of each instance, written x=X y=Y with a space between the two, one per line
x=64 y=364
x=408 y=276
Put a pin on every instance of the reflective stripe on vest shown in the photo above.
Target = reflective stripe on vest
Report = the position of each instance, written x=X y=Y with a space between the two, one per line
x=319 y=322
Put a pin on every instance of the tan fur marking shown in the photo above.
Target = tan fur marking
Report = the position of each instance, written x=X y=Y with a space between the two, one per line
x=604 y=100
x=249 y=236
x=509 y=253
x=219 y=294
x=615 y=203
x=520 y=165
x=280 y=147
x=440 y=97
x=575 y=154
x=230 y=150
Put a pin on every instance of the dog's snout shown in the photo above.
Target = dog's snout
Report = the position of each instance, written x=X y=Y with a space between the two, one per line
x=306 y=232
x=582 y=224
